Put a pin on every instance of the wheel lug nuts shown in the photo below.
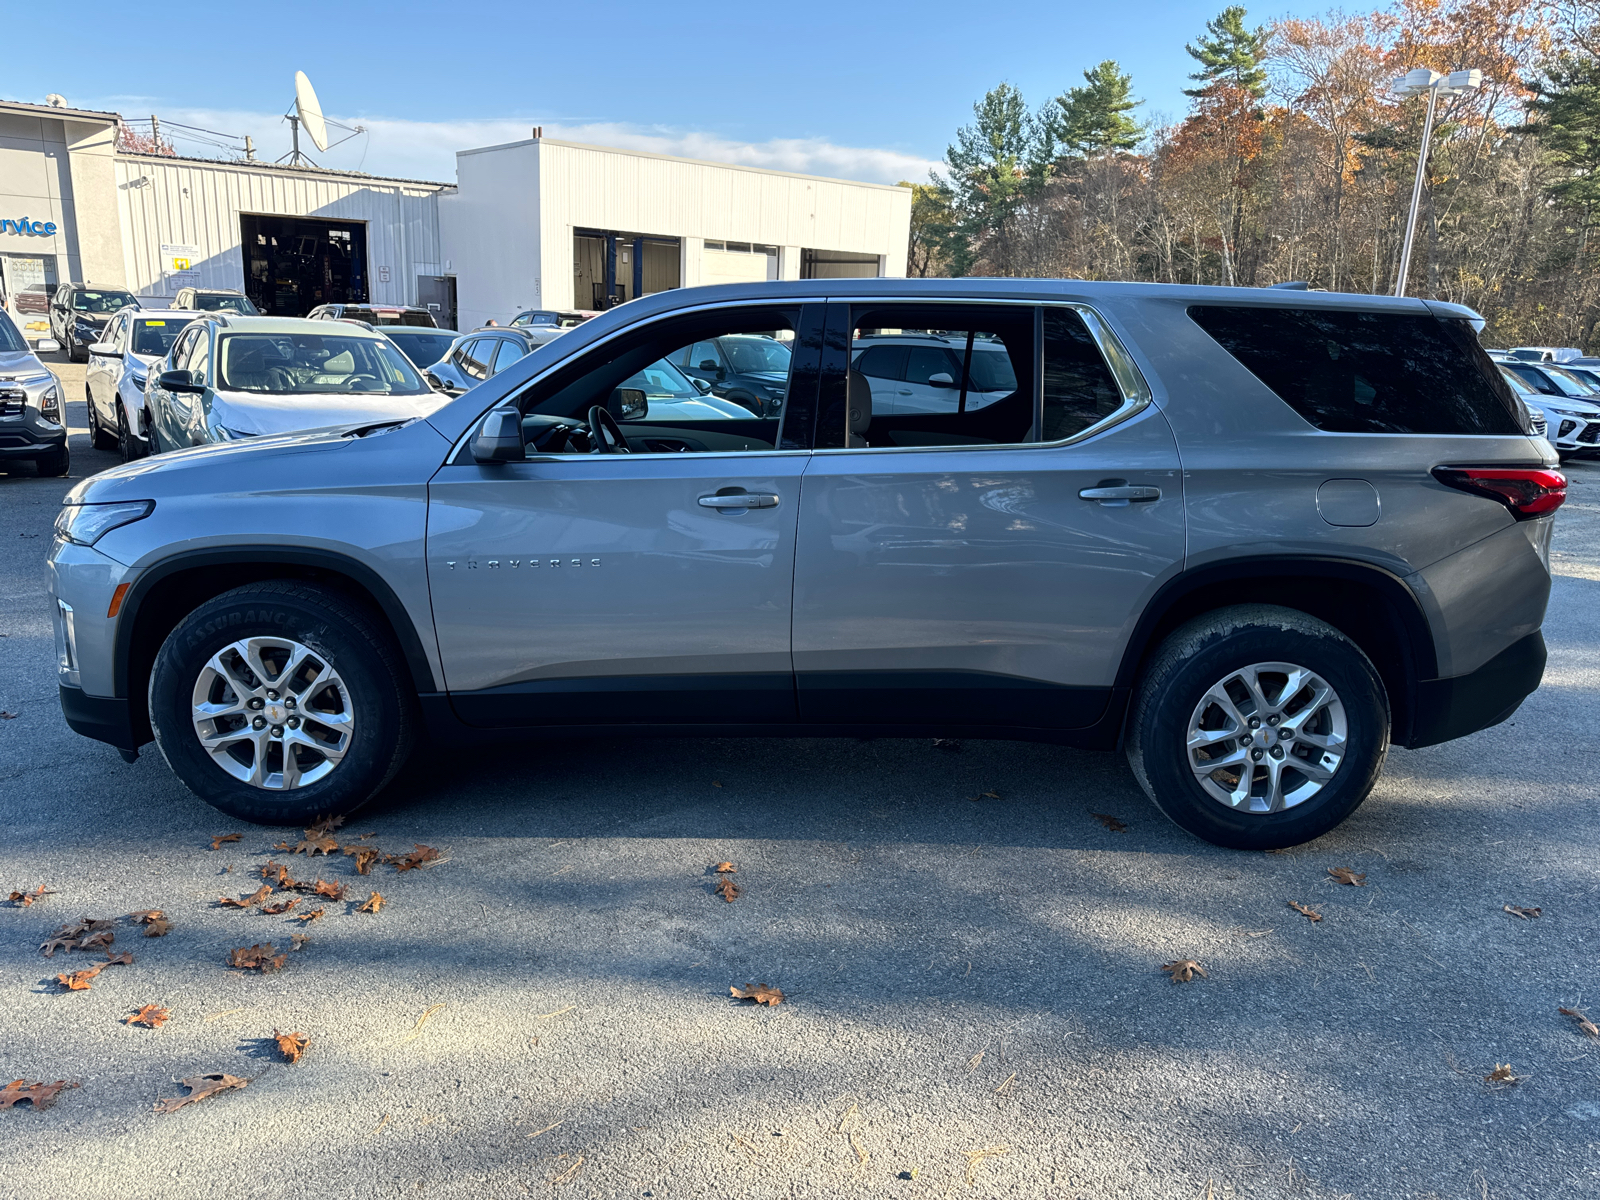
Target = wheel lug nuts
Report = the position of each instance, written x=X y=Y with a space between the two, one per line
x=1255 y=722
x=258 y=703
x=277 y=731
x=289 y=703
x=272 y=695
x=294 y=722
x=1256 y=755
x=1277 y=752
x=1272 y=720
x=259 y=723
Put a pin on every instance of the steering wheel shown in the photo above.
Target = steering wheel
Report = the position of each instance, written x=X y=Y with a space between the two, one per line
x=602 y=423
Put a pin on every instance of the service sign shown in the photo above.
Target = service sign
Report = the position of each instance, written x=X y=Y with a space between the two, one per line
x=179 y=260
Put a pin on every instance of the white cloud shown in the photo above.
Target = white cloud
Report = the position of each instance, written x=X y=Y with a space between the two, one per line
x=426 y=149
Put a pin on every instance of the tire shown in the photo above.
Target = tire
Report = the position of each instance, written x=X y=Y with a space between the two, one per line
x=127 y=444
x=1217 y=651
x=372 y=690
x=55 y=464
x=75 y=353
x=99 y=437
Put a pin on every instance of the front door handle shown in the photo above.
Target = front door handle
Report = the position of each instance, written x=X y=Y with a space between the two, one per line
x=1120 y=493
x=740 y=500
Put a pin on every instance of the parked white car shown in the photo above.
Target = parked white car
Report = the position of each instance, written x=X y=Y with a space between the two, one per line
x=119 y=368
x=921 y=373
x=1571 y=425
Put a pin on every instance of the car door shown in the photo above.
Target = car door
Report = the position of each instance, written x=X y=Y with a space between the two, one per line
x=101 y=374
x=983 y=567
x=162 y=404
x=184 y=410
x=574 y=588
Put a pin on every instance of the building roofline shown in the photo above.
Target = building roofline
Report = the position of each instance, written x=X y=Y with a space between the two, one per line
x=72 y=114
x=234 y=164
x=694 y=162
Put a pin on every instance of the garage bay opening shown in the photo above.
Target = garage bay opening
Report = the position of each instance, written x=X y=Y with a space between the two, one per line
x=293 y=264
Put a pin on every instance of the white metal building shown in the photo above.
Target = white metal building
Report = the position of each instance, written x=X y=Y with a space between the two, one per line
x=551 y=224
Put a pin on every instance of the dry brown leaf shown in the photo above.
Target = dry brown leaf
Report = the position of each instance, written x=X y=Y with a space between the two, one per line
x=8 y=715
x=761 y=993
x=1584 y=1024
x=277 y=910
x=51 y=945
x=97 y=941
x=321 y=843
x=365 y=856
x=249 y=901
x=1525 y=913
x=278 y=875
x=325 y=826
x=1501 y=1074
x=145 y=916
x=152 y=1016
x=298 y=941
x=26 y=899
x=1347 y=876
x=40 y=1095
x=1308 y=913
x=1183 y=970
x=333 y=891
x=406 y=862
x=78 y=981
x=158 y=928
x=83 y=934
x=293 y=1045
x=373 y=903
x=727 y=889
x=200 y=1088
x=257 y=958
x=1110 y=822
x=725 y=868
x=313 y=915
x=216 y=842
x=118 y=960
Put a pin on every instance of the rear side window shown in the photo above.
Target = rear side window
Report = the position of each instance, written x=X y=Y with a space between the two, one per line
x=1368 y=372
x=1078 y=387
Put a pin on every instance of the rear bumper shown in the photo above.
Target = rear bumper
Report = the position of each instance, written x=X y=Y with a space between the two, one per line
x=1452 y=708
x=103 y=718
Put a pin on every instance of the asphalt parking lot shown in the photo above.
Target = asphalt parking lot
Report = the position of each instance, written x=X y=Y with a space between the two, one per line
x=970 y=959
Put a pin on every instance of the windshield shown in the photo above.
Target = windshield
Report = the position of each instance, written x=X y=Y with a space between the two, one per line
x=423 y=347
x=11 y=342
x=101 y=302
x=662 y=381
x=211 y=302
x=284 y=364
x=1569 y=383
x=756 y=355
x=154 y=338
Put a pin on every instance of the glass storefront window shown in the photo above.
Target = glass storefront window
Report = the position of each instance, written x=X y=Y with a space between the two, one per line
x=26 y=284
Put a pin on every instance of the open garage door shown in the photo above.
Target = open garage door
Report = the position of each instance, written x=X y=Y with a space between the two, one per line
x=293 y=264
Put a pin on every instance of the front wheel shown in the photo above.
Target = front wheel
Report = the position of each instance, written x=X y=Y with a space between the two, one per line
x=279 y=702
x=100 y=437
x=1257 y=727
x=55 y=464
x=127 y=444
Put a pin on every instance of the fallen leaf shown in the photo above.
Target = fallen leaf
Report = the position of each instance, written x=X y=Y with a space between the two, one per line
x=1584 y=1024
x=97 y=941
x=1110 y=822
x=373 y=903
x=298 y=941
x=40 y=1095
x=158 y=928
x=365 y=856
x=277 y=910
x=51 y=945
x=989 y=795
x=1183 y=970
x=974 y=1157
x=78 y=981
x=333 y=891
x=249 y=901
x=152 y=1016
x=759 y=992
x=1346 y=876
x=315 y=844
x=1525 y=913
x=293 y=1045
x=325 y=826
x=1305 y=912
x=8 y=716
x=257 y=958
x=200 y=1088
x=725 y=868
x=1501 y=1074
x=422 y=854
x=278 y=875
x=216 y=842
x=118 y=960
x=313 y=915
x=716 y=783
x=146 y=916
x=728 y=889
x=26 y=899
x=83 y=934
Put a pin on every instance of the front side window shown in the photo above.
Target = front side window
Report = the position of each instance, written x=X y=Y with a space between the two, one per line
x=180 y=353
x=1349 y=371
x=200 y=357
x=313 y=364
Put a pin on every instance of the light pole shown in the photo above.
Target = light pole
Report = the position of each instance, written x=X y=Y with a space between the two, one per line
x=1414 y=83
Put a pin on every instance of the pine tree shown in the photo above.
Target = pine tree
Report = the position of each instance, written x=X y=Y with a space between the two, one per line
x=994 y=165
x=1230 y=53
x=1565 y=111
x=1094 y=119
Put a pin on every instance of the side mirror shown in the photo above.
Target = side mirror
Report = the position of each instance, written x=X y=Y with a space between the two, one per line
x=703 y=384
x=628 y=404
x=499 y=438
x=178 y=381
x=942 y=379
x=47 y=346
x=105 y=350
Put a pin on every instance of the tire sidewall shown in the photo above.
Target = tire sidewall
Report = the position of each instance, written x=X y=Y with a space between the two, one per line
x=1163 y=728
x=347 y=649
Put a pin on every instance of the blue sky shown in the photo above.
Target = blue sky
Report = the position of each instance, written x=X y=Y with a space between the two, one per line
x=871 y=91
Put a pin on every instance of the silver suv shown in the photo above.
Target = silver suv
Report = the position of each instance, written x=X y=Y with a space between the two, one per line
x=1250 y=538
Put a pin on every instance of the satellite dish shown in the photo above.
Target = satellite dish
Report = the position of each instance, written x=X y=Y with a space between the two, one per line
x=309 y=111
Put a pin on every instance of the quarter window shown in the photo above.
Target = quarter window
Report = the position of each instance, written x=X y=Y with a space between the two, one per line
x=1079 y=389
x=510 y=351
x=200 y=357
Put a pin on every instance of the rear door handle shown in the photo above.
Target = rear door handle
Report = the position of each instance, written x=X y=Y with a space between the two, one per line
x=1123 y=493
x=740 y=500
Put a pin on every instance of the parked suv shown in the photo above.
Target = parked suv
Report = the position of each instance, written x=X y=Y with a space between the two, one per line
x=1252 y=537
x=484 y=352
x=79 y=313
x=115 y=382
x=31 y=426
x=375 y=314
x=223 y=300
x=750 y=369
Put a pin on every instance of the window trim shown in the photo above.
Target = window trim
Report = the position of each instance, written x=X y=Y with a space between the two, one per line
x=1125 y=372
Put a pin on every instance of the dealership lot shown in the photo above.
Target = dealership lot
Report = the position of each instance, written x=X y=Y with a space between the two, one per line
x=974 y=1005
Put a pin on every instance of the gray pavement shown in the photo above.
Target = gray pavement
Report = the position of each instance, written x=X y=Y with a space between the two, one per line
x=964 y=974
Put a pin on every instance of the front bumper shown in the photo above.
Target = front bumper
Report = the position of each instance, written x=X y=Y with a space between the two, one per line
x=103 y=718
x=30 y=437
x=1451 y=708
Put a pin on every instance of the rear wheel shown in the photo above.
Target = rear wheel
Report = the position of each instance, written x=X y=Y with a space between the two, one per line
x=99 y=436
x=279 y=702
x=1258 y=727
x=126 y=442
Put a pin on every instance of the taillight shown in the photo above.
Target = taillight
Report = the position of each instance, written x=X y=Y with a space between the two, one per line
x=1526 y=491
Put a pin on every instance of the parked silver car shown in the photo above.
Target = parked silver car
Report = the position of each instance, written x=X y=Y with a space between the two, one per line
x=1252 y=537
x=119 y=369
x=31 y=424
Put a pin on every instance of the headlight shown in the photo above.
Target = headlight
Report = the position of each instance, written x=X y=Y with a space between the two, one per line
x=1568 y=412
x=86 y=524
x=50 y=404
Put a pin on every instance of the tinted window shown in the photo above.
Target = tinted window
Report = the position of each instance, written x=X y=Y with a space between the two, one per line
x=473 y=357
x=423 y=347
x=200 y=358
x=510 y=351
x=883 y=362
x=1078 y=386
x=1369 y=372
x=223 y=303
x=11 y=341
x=757 y=355
x=155 y=338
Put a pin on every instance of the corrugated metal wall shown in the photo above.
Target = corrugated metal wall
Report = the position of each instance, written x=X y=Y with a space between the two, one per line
x=183 y=202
